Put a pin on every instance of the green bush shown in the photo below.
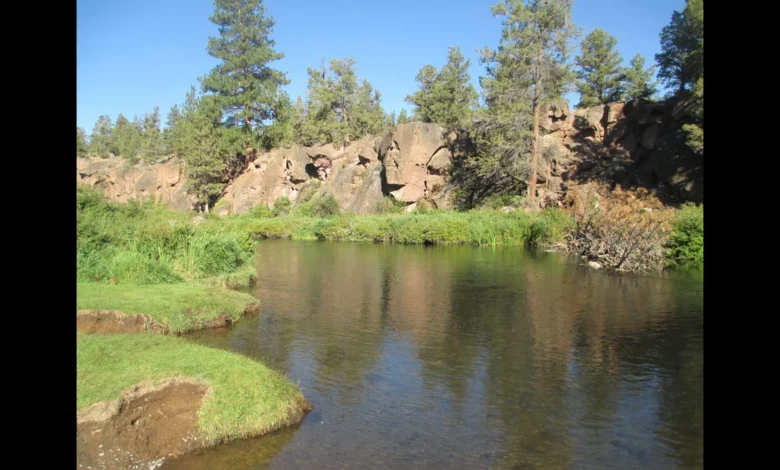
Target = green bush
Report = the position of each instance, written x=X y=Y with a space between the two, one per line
x=389 y=205
x=686 y=242
x=324 y=206
x=261 y=211
x=282 y=206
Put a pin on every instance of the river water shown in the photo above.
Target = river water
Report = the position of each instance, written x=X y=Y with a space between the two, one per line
x=462 y=357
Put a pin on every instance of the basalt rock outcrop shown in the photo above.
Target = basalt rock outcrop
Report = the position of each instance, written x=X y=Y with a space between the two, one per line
x=409 y=163
x=631 y=144
x=350 y=173
x=162 y=181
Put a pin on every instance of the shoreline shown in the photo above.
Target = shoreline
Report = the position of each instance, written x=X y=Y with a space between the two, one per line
x=144 y=398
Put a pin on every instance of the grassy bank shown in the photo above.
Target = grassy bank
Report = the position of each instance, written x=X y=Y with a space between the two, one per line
x=179 y=307
x=477 y=227
x=246 y=398
x=144 y=243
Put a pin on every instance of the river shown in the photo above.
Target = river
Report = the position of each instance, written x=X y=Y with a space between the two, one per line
x=463 y=357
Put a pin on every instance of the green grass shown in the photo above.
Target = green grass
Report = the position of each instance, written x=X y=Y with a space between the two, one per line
x=246 y=398
x=478 y=227
x=167 y=304
x=144 y=243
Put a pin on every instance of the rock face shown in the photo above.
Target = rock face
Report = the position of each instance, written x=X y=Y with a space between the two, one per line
x=351 y=174
x=629 y=144
x=162 y=181
x=416 y=158
x=623 y=143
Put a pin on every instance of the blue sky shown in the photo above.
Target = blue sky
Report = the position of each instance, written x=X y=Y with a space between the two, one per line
x=132 y=56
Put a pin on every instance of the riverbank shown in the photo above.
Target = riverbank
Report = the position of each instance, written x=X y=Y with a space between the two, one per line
x=167 y=308
x=145 y=397
x=477 y=227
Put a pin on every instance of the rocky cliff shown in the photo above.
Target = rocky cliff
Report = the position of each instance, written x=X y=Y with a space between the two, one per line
x=627 y=144
x=162 y=181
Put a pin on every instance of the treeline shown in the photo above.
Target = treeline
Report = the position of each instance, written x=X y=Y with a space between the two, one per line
x=242 y=103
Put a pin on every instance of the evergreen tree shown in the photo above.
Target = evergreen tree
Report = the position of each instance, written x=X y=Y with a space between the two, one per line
x=340 y=109
x=529 y=69
x=282 y=132
x=445 y=96
x=100 y=141
x=402 y=117
x=81 y=143
x=681 y=64
x=208 y=163
x=639 y=81
x=599 y=71
x=172 y=134
x=126 y=138
x=681 y=61
x=244 y=85
x=695 y=130
x=151 y=142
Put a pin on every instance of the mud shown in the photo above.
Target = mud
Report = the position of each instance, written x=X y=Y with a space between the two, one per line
x=147 y=425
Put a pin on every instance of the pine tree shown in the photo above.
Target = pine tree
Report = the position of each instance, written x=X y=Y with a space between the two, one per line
x=126 y=138
x=244 y=85
x=681 y=61
x=681 y=64
x=207 y=165
x=695 y=130
x=282 y=132
x=529 y=69
x=81 y=143
x=100 y=140
x=402 y=117
x=445 y=96
x=151 y=142
x=340 y=109
x=172 y=133
x=599 y=71
x=639 y=81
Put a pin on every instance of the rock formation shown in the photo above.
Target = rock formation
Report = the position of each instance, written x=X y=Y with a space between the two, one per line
x=629 y=144
x=162 y=181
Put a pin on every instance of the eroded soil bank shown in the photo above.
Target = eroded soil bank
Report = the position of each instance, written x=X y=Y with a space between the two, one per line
x=112 y=321
x=147 y=425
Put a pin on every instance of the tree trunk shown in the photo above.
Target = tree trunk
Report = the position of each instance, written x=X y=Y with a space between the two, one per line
x=535 y=154
x=207 y=207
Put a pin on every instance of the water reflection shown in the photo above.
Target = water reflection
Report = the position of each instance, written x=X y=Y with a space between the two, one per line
x=471 y=358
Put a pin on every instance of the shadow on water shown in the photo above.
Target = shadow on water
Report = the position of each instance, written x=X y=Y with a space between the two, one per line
x=458 y=357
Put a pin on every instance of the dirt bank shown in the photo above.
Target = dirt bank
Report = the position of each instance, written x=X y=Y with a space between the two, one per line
x=112 y=321
x=147 y=425
x=142 y=428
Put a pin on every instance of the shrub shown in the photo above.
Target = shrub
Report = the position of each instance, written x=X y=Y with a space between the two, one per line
x=261 y=211
x=282 y=206
x=323 y=206
x=620 y=230
x=389 y=205
x=686 y=242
